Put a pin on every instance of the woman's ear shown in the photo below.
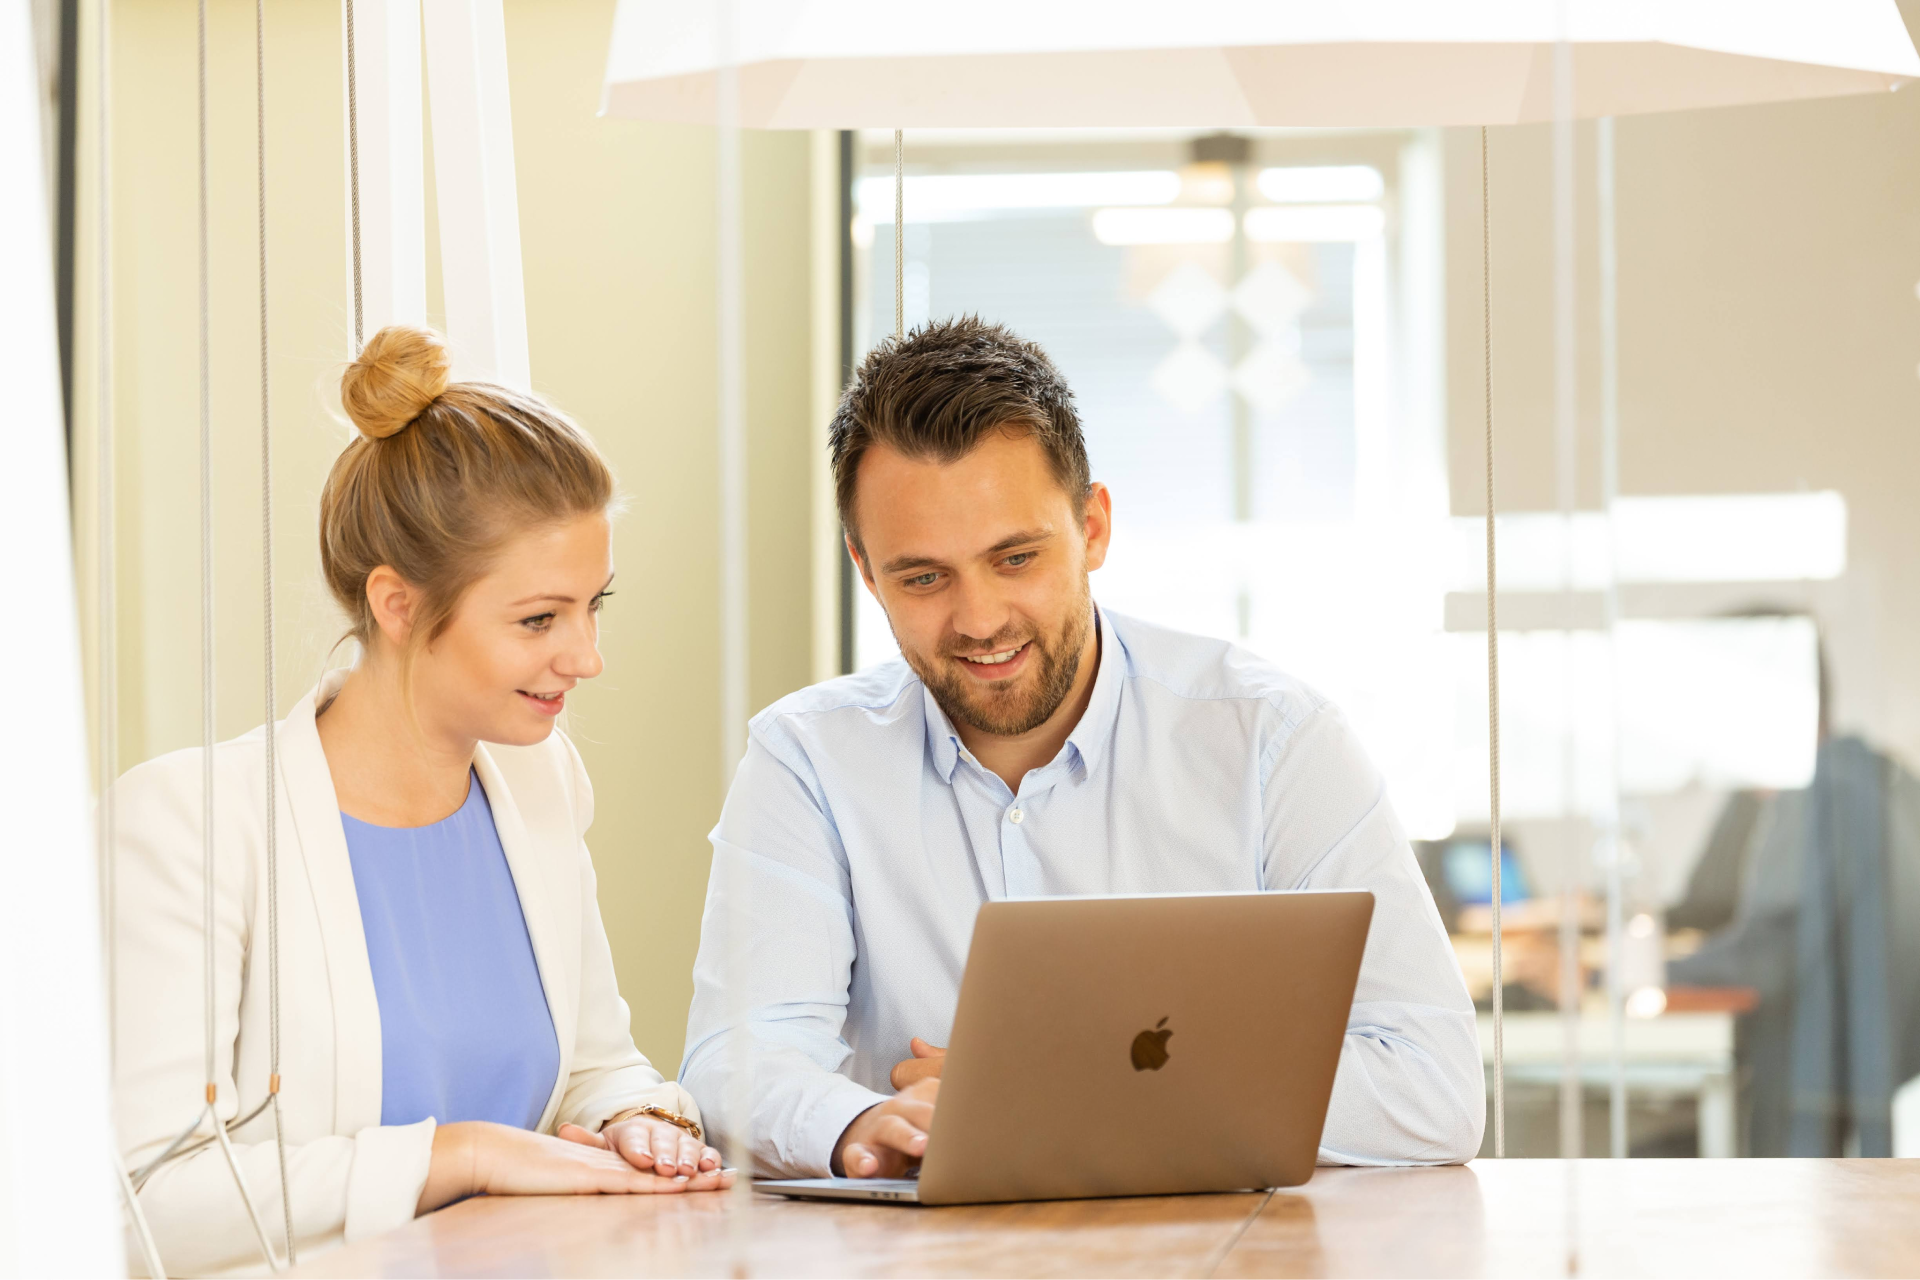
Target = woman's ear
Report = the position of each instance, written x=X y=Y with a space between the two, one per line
x=393 y=603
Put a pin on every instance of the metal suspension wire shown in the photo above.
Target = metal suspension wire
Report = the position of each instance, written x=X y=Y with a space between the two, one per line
x=899 y=236
x=212 y=1112
x=1566 y=429
x=206 y=570
x=107 y=636
x=266 y=591
x=1609 y=490
x=734 y=607
x=353 y=172
x=1493 y=662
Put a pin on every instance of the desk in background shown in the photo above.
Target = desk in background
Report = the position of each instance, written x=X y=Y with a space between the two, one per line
x=1493 y=1217
x=1688 y=1053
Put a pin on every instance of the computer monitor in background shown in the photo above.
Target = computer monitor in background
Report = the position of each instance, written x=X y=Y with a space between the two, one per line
x=1459 y=874
x=1468 y=871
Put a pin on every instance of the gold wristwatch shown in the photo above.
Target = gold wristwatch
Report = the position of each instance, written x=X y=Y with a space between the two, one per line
x=660 y=1113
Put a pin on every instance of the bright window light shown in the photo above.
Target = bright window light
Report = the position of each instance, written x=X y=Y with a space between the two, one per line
x=943 y=196
x=1713 y=702
x=1322 y=184
x=1163 y=226
x=1315 y=224
x=1735 y=537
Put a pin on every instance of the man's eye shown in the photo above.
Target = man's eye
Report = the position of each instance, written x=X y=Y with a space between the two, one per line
x=1019 y=559
x=539 y=622
x=923 y=580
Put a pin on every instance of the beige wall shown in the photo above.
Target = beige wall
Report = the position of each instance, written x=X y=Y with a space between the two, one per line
x=1770 y=335
x=1769 y=340
x=618 y=245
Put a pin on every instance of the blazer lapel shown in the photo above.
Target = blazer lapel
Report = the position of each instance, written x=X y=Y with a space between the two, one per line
x=529 y=871
x=309 y=794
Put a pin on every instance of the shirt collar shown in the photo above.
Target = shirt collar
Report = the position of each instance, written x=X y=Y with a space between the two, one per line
x=1090 y=738
x=943 y=740
x=1094 y=734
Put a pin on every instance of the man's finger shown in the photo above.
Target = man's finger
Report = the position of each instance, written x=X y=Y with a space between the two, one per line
x=912 y=1071
x=900 y=1134
x=921 y=1049
x=858 y=1161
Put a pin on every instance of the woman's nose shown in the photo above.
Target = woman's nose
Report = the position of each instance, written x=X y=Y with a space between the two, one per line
x=581 y=660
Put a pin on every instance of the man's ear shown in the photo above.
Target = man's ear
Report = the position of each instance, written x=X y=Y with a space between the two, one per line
x=1097 y=525
x=394 y=604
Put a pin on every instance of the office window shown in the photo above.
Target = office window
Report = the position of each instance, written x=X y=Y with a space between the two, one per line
x=1245 y=343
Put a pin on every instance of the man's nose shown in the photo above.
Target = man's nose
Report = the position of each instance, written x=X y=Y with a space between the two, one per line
x=980 y=612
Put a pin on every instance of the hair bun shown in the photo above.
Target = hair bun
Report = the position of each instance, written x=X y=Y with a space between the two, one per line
x=401 y=371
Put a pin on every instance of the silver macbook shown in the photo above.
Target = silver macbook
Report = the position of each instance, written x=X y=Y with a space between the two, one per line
x=1090 y=1026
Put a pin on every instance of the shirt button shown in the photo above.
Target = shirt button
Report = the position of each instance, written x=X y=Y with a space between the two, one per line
x=1016 y=815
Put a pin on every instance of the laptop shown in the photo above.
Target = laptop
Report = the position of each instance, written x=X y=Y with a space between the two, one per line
x=1089 y=1027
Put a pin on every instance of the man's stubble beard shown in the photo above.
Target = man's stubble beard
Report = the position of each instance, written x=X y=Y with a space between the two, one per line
x=1059 y=665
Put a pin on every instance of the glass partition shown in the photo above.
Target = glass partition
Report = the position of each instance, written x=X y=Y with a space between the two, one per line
x=1275 y=341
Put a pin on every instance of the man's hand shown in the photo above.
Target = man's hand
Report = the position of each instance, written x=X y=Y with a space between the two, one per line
x=885 y=1141
x=925 y=1064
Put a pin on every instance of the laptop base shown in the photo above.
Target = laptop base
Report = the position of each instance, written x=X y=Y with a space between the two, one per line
x=883 y=1190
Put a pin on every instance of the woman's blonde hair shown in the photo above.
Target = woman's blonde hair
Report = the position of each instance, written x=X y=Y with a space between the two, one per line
x=442 y=475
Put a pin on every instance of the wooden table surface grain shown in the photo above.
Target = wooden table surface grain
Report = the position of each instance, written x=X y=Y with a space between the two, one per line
x=1490 y=1218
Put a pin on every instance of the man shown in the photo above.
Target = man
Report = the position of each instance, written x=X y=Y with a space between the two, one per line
x=1029 y=743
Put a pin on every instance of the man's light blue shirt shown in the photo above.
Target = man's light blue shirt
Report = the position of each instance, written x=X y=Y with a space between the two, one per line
x=861 y=837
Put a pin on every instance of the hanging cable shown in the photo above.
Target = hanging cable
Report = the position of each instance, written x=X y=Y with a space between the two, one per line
x=899 y=237
x=353 y=174
x=106 y=640
x=266 y=581
x=107 y=636
x=1493 y=664
x=206 y=581
x=1609 y=491
x=212 y=1111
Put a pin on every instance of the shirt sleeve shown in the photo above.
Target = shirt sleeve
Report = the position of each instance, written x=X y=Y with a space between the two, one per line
x=776 y=953
x=1410 y=1087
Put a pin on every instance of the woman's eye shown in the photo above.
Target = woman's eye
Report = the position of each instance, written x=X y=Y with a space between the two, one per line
x=594 y=605
x=539 y=622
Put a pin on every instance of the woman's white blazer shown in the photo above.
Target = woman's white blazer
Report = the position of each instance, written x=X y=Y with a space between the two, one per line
x=350 y=1175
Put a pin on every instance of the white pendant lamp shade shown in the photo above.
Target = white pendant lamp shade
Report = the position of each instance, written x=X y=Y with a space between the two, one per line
x=843 y=64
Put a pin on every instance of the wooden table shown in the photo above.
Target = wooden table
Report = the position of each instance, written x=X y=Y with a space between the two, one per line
x=1491 y=1218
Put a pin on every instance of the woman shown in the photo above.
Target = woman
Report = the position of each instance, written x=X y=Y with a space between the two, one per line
x=447 y=995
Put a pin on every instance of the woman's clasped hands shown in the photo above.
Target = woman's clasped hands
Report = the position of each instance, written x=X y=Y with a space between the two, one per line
x=628 y=1157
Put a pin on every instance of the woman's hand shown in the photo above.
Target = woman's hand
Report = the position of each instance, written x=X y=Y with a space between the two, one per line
x=653 y=1145
x=477 y=1157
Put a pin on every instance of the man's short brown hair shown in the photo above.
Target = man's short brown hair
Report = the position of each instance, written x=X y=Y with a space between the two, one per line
x=937 y=393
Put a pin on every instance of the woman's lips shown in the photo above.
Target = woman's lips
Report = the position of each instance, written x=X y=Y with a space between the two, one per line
x=545 y=706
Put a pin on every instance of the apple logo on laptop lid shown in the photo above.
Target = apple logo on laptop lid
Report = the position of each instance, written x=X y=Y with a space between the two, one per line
x=1150 y=1047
